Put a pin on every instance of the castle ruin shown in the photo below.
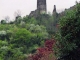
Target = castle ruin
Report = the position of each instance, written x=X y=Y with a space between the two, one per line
x=41 y=8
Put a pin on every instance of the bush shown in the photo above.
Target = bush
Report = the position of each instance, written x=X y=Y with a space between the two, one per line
x=45 y=52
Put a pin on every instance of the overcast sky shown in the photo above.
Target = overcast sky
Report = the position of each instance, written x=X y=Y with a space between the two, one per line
x=8 y=7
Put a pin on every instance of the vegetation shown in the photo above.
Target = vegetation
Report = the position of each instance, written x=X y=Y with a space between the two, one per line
x=19 y=39
x=42 y=38
x=44 y=53
x=68 y=37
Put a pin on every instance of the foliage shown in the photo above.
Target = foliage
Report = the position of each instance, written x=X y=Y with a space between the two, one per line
x=69 y=37
x=18 y=40
x=49 y=22
x=3 y=21
x=44 y=52
x=29 y=20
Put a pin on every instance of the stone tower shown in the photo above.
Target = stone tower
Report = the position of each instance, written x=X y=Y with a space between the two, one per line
x=55 y=15
x=41 y=6
x=54 y=11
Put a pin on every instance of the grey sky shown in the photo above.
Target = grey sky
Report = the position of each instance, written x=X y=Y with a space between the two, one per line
x=8 y=7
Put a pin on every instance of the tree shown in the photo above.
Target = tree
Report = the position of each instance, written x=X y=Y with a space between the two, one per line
x=22 y=37
x=3 y=22
x=7 y=18
x=39 y=33
x=17 y=13
x=69 y=37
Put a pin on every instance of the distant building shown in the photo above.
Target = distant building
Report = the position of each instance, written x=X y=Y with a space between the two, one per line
x=55 y=14
x=41 y=14
x=41 y=8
